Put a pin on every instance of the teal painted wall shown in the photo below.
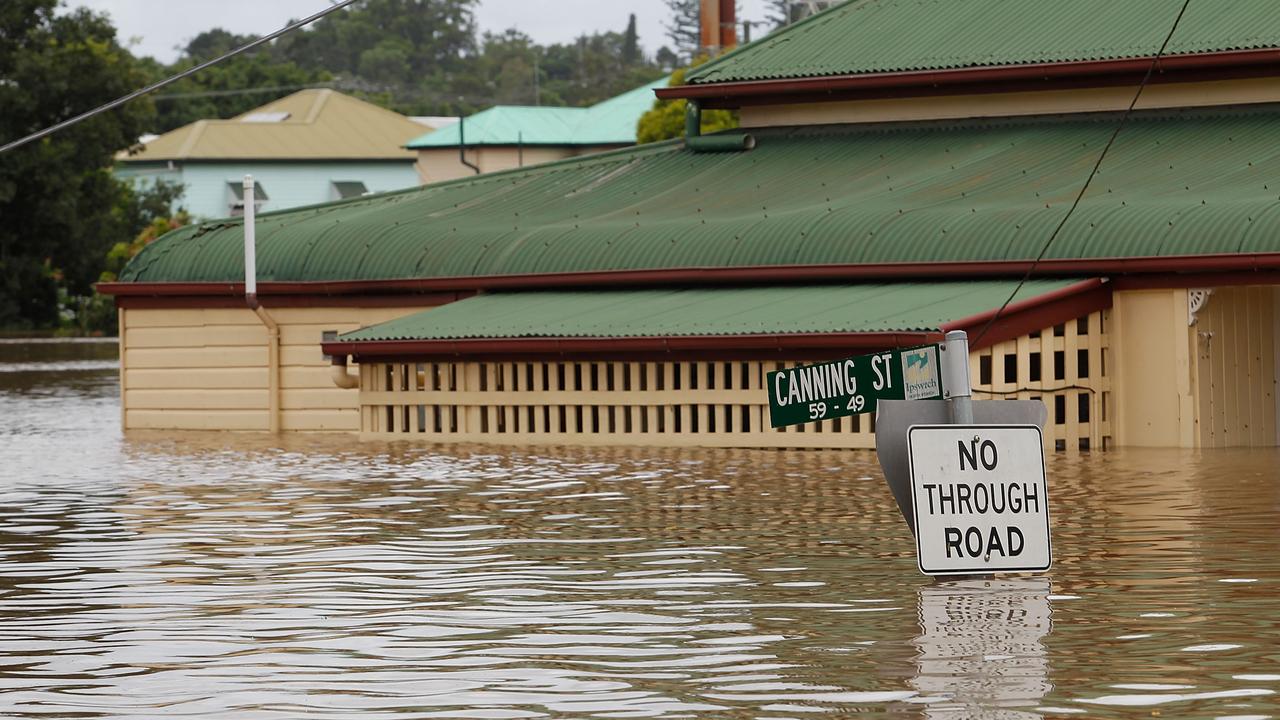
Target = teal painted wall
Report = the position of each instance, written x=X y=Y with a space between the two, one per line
x=287 y=184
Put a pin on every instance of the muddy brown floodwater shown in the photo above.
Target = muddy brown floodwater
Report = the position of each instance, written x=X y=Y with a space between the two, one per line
x=245 y=577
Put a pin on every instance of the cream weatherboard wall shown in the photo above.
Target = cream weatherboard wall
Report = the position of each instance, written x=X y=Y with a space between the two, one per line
x=955 y=107
x=1192 y=374
x=208 y=369
x=440 y=164
x=1155 y=402
x=1234 y=333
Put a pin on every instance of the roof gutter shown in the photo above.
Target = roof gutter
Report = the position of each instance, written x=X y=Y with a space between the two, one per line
x=956 y=77
x=765 y=274
x=364 y=350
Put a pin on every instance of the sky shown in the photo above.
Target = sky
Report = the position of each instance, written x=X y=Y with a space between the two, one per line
x=160 y=26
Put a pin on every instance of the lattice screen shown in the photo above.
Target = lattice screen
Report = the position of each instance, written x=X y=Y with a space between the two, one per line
x=708 y=404
x=1065 y=366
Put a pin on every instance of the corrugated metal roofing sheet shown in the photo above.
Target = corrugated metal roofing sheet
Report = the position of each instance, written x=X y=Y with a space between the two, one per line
x=611 y=122
x=898 y=307
x=316 y=124
x=879 y=36
x=1180 y=183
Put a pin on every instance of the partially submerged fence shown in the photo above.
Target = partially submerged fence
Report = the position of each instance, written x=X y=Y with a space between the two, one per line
x=707 y=404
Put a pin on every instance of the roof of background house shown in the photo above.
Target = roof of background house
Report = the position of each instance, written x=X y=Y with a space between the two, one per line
x=611 y=122
x=895 y=36
x=974 y=196
x=307 y=125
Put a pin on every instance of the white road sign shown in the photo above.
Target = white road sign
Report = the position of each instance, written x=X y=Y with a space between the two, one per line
x=980 y=498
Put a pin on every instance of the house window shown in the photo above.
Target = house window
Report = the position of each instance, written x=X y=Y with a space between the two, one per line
x=328 y=336
x=343 y=189
x=235 y=191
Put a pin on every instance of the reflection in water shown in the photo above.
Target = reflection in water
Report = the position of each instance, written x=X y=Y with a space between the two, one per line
x=236 y=576
x=980 y=647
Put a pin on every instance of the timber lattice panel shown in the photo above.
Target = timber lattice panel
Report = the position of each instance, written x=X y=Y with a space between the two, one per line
x=1068 y=367
x=706 y=404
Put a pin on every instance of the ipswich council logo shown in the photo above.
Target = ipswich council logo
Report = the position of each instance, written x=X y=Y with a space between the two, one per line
x=920 y=373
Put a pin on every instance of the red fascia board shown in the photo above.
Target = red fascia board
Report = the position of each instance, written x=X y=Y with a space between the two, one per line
x=625 y=346
x=1188 y=265
x=971 y=76
x=1028 y=316
x=235 y=302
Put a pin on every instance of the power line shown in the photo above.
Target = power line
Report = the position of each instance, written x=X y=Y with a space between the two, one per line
x=1155 y=62
x=185 y=73
x=242 y=91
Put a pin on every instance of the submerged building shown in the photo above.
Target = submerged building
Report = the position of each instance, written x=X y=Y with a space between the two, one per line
x=905 y=168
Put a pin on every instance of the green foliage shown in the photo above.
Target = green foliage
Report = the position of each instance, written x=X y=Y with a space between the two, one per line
x=417 y=57
x=149 y=213
x=667 y=118
x=58 y=200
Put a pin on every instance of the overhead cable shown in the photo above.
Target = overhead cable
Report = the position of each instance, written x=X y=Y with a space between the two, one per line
x=1155 y=63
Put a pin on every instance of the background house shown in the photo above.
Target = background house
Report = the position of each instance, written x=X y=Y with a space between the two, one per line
x=513 y=136
x=310 y=147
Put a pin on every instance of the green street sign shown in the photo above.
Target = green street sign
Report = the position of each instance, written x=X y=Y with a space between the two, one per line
x=853 y=386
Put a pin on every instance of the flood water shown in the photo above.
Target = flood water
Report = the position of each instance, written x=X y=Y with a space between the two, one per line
x=245 y=577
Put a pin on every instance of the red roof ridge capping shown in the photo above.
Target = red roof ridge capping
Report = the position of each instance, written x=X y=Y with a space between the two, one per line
x=1019 y=318
x=1210 y=65
x=1249 y=266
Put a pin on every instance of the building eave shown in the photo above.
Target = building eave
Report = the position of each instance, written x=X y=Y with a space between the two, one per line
x=1186 y=266
x=782 y=346
x=986 y=329
x=1172 y=68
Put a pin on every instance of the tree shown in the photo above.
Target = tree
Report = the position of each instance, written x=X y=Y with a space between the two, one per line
x=58 y=200
x=779 y=13
x=666 y=59
x=631 y=43
x=667 y=118
x=684 y=26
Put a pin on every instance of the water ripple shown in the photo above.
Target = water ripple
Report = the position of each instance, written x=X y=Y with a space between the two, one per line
x=246 y=577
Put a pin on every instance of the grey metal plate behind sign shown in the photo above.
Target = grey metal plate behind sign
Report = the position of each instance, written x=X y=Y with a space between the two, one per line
x=895 y=417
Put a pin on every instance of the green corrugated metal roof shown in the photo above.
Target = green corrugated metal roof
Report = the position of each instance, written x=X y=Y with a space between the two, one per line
x=898 y=307
x=1174 y=184
x=612 y=122
x=875 y=36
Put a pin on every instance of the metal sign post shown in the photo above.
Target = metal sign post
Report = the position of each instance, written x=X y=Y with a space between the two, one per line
x=968 y=476
x=956 y=378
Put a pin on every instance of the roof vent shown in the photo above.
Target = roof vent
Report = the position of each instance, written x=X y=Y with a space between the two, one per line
x=266 y=117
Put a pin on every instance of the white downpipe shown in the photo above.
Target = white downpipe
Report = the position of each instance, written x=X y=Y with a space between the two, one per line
x=250 y=244
x=251 y=299
x=341 y=376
